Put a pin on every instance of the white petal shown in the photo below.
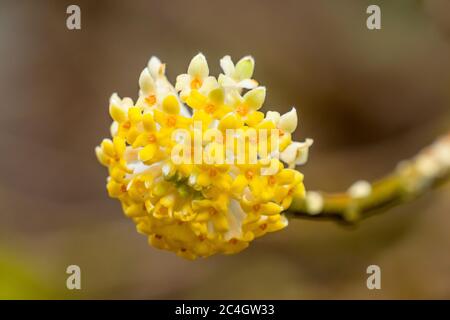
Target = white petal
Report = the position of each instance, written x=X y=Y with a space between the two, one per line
x=146 y=82
x=227 y=65
x=302 y=152
x=273 y=116
x=255 y=98
x=114 y=128
x=155 y=67
x=226 y=81
x=288 y=121
x=296 y=153
x=127 y=102
x=288 y=155
x=244 y=68
x=247 y=84
x=198 y=67
x=140 y=102
x=234 y=98
x=209 y=84
x=164 y=88
x=183 y=82
x=115 y=99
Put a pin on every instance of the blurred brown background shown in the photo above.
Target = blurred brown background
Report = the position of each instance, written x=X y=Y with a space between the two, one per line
x=368 y=98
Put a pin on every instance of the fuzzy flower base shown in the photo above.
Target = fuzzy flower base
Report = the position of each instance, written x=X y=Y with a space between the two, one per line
x=200 y=209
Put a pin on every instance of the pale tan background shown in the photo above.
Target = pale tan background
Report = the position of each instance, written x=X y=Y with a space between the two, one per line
x=368 y=98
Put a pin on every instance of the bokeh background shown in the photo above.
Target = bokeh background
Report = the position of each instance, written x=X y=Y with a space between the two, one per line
x=368 y=98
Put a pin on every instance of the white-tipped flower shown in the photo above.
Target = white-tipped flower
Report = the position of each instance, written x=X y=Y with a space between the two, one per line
x=115 y=99
x=296 y=153
x=252 y=100
x=198 y=67
x=196 y=78
x=239 y=75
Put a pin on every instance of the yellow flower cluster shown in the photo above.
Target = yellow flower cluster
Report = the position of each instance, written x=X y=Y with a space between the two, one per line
x=197 y=210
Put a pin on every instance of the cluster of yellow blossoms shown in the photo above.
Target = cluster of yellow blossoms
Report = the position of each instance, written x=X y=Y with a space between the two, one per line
x=199 y=209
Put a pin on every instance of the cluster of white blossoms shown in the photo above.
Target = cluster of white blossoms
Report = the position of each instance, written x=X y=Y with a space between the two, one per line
x=199 y=209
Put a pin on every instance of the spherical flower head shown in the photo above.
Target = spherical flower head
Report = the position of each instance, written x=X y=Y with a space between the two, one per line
x=235 y=180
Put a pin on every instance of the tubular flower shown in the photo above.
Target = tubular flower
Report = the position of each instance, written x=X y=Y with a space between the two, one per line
x=231 y=192
x=238 y=76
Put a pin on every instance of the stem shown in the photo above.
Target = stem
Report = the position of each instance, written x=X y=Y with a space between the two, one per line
x=412 y=178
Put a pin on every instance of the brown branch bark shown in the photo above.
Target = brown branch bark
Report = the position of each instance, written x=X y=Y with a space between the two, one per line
x=412 y=178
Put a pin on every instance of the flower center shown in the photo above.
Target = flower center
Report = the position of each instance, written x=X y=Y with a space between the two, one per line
x=196 y=84
x=210 y=108
x=151 y=138
x=171 y=121
x=249 y=174
x=242 y=110
x=271 y=180
x=151 y=99
x=212 y=172
x=126 y=125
